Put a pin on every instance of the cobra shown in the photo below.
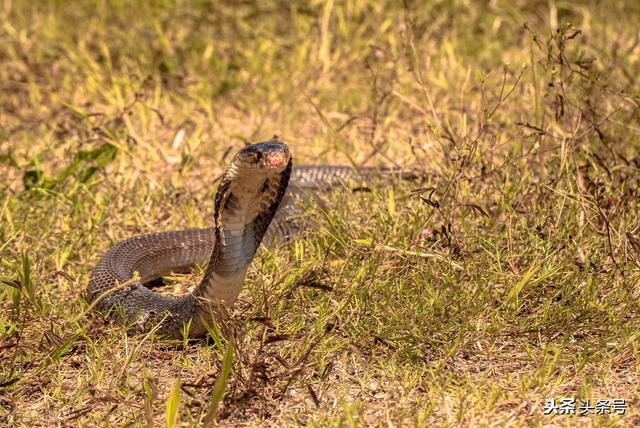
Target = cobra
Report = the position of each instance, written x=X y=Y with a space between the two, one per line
x=254 y=185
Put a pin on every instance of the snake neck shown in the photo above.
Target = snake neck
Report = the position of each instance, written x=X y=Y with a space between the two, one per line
x=244 y=210
x=235 y=241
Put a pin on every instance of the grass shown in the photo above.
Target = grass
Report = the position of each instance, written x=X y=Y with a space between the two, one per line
x=509 y=276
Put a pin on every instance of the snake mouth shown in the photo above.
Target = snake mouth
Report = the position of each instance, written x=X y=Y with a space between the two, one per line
x=277 y=159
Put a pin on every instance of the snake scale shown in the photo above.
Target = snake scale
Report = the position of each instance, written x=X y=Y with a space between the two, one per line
x=256 y=183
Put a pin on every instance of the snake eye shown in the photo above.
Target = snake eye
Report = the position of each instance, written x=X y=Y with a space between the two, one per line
x=256 y=156
x=253 y=156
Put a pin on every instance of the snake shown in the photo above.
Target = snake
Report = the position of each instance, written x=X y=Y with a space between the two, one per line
x=255 y=184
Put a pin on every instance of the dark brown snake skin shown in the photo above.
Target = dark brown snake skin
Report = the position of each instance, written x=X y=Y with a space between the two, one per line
x=250 y=192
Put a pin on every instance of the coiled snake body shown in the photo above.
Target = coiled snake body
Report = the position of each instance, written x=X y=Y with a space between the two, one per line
x=246 y=201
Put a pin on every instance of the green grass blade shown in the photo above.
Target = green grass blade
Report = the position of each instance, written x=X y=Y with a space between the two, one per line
x=173 y=404
x=217 y=394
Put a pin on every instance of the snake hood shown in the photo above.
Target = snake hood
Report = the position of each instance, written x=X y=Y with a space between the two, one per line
x=246 y=201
